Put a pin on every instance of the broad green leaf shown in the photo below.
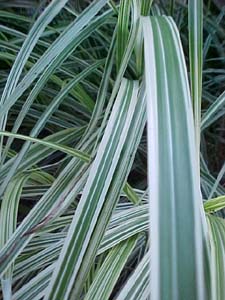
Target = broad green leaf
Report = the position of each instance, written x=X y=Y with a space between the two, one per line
x=177 y=222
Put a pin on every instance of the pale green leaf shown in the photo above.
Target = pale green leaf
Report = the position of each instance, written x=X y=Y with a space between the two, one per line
x=178 y=227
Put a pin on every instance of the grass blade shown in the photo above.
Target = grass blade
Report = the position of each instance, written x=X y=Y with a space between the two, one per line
x=65 y=149
x=214 y=112
x=8 y=223
x=88 y=215
x=137 y=284
x=42 y=121
x=110 y=270
x=178 y=227
x=195 y=25
x=123 y=29
x=215 y=204
x=36 y=31
x=217 y=259
x=56 y=53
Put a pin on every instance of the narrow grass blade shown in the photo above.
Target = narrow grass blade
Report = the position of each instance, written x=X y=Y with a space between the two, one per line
x=123 y=29
x=42 y=121
x=55 y=146
x=217 y=182
x=110 y=270
x=137 y=284
x=195 y=26
x=8 y=223
x=209 y=181
x=64 y=189
x=57 y=52
x=102 y=92
x=215 y=204
x=217 y=259
x=36 y=31
x=130 y=223
x=45 y=18
x=131 y=195
x=123 y=226
x=214 y=112
x=145 y=7
x=35 y=288
x=38 y=152
x=121 y=71
x=209 y=39
x=35 y=91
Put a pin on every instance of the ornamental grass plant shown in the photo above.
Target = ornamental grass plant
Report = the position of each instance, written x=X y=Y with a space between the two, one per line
x=112 y=150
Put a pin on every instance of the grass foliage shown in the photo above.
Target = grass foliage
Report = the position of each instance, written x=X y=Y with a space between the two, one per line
x=91 y=93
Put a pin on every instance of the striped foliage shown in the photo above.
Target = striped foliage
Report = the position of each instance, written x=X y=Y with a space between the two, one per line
x=78 y=81
x=177 y=224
